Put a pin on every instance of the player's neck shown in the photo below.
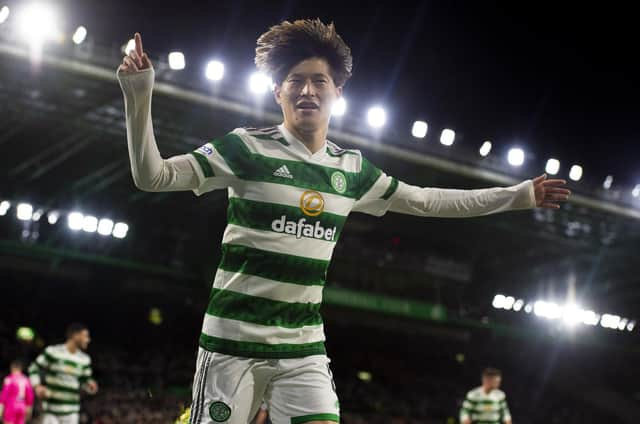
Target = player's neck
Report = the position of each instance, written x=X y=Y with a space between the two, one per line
x=71 y=346
x=313 y=140
x=486 y=389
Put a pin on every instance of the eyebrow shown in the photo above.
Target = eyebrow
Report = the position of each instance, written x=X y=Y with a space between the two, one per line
x=314 y=75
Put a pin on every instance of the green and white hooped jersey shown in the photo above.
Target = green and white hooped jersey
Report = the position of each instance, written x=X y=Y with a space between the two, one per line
x=287 y=208
x=64 y=374
x=486 y=408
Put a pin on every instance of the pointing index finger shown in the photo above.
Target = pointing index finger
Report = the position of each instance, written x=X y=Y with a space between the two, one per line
x=138 y=40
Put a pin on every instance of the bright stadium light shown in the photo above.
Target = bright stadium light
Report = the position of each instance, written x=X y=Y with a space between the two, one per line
x=52 y=217
x=590 y=318
x=636 y=191
x=631 y=325
x=90 y=224
x=79 y=35
x=518 y=305
x=130 y=46
x=528 y=308
x=548 y=310
x=105 y=226
x=339 y=107
x=259 y=83
x=553 y=166
x=515 y=157
x=607 y=182
x=24 y=211
x=176 y=61
x=37 y=215
x=572 y=314
x=120 y=230
x=498 y=301
x=37 y=23
x=575 y=173
x=485 y=149
x=610 y=321
x=376 y=117
x=215 y=70
x=419 y=129
x=447 y=137
x=623 y=324
x=4 y=207
x=508 y=302
x=75 y=220
x=4 y=14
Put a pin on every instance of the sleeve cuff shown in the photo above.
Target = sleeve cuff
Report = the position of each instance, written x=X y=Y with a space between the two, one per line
x=140 y=81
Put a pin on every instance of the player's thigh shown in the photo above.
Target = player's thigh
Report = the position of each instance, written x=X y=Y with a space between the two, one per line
x=227 y=389
x=303 y=392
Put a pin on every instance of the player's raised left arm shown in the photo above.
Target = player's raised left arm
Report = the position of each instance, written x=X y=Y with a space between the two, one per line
x=450 y=203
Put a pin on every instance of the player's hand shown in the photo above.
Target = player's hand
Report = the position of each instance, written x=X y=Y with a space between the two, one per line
x=549 y=192
x=91 y=387
x=41 y=391
x=466 y=421
x=137 y=59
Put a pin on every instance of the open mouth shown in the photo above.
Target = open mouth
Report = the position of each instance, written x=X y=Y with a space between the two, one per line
x=307 y=106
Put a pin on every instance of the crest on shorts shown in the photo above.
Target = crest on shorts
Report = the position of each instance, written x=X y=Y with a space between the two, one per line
x=219 y=411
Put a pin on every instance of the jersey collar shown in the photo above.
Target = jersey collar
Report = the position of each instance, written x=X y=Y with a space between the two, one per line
x=300 y=147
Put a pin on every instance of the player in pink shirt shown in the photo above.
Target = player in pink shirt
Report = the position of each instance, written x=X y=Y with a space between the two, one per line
x=17 y=396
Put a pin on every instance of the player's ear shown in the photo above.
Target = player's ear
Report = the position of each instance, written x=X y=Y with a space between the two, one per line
x=277 y=91
x=339 y=91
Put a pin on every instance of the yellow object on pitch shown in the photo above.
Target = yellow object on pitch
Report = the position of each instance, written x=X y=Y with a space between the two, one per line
x=184 y=418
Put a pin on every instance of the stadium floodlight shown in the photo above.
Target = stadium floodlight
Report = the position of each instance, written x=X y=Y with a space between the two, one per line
x=24 y=211
x=447 y=137
x=636 y=191
x=631 y=325
x=590 y=318
x=485 y=149
x=610 y=321
x=129 y=47
x=4 y=207
x=528 y=308
x=52 y=217
x=120 y=230
x=74 y=219
x=37 y=215
x=547 y=310
x=515 y=157
x=498 y=301
x=575 y=173
x=4 y=13
x=419 y=129
x=339 y=107
x=508 y=302
x=37 y=23
x=623 y=324
x=376 y=117
x=607 y=182
x=573 y=314
x=79 y=35
x=90 y=224
x=105 y=226
x=215 y=70
x=176 y=61
x=259 y=83
x=553 y=166
x=517 y=306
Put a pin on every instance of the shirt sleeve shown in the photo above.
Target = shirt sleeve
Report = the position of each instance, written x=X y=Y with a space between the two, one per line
x=465 y=411
x=5 y=390
x=386 y=193
x=506 y=414
x=28 y=394
x=38 y=366
x=87 y=374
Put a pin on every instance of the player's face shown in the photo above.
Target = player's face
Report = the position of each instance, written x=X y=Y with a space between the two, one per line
x=307 y=94
x=82 y=339
x=492 y=383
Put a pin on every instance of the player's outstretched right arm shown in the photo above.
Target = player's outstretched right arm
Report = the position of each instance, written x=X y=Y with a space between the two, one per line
x=150 y=171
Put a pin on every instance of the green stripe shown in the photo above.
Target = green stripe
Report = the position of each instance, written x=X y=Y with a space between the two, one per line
x=256 y=167
x=273 y=266
x=392 y=189
x=260 y=350
x=52 y=359
x=61 y=414
x=315 y=417
x=258 y=310
x=260 y=216
x=57 y=388
x=204 y=164
x=484 y=402
x=368 y=176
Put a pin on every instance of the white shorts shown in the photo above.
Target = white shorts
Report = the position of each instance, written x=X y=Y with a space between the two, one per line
x=230 y=389
x=60 y=419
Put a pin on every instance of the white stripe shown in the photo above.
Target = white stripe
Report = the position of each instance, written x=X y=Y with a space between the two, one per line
x=54 y=407
x=61 y=352
x=276 y=150
x=66 y=369
x=55 y=394
x=268 y=289
x=278 y=242
x=289 y=195
x=70 y=383
x=241 y=331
